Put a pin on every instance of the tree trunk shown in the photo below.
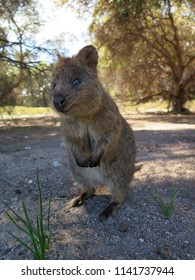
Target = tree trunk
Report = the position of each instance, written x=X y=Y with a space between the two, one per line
x=178 y=102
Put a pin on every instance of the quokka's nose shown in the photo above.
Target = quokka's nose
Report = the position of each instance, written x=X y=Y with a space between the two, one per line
x=59 y=102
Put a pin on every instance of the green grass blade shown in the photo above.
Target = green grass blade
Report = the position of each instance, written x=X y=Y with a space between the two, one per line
x=40 y=237
x=28 y=222
x=23 y=221
x=167 y=209
x=173 y=197
x=158 y=200
x=19 y=218
x=47 y=239
x=49 y=213
x=47 y=231
x=40 y=206
x=31 y=230
x=41 y=240
x=40 y=219
x=10 y=209
x=40 y=197
x=22 y=242
x=16 y=224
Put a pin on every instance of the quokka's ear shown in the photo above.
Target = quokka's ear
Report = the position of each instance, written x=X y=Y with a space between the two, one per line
x=59 y=56
x=89 y=56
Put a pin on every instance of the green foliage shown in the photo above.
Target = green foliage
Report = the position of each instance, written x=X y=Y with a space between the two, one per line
x=166 y=208
x=39 y=235
x=147 y=48
x=136 y=5
x=23 y=76
x=24 y=111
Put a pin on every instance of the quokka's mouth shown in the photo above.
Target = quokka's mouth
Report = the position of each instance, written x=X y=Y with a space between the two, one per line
x=59 y=102
x=63 y=109
x=62 y=103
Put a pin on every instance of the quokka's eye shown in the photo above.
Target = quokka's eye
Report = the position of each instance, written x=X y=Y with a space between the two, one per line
x=76 y=82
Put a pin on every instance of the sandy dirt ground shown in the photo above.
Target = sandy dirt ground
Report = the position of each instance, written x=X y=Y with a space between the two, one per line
x=139 y=229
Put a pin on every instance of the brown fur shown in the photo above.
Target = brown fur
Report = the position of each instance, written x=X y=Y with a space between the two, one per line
x=100 y=142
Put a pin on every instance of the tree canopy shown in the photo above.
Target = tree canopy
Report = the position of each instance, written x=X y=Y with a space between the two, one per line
x=20 y=64
x=147 y=49
x=150 y=45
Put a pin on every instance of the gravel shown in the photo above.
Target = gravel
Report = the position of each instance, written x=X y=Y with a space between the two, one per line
x=138 y=230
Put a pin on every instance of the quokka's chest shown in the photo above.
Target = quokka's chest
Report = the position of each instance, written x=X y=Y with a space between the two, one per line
x=76 y=133
x=94 y=175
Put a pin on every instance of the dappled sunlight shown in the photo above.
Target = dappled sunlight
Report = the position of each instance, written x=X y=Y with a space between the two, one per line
x=145 y=56
x=160 y=122
x=166 y=160
x=161 y=170
x=160 y=126
x=165 y=150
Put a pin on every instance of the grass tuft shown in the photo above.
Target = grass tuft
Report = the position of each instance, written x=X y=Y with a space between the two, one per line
x=166 y=208
x=39 y=235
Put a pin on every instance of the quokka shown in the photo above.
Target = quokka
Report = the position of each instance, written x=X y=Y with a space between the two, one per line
x=100 y=143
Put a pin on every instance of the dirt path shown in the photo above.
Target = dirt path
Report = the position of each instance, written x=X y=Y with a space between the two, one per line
x=139 y=230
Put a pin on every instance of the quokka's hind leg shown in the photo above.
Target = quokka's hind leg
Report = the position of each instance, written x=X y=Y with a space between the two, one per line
x=118 y=195
x=108 y=211
x=79 y=200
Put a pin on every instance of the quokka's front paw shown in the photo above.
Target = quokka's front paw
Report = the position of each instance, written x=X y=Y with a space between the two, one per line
x=95 y=160
x=84 y=163
x=92 y=161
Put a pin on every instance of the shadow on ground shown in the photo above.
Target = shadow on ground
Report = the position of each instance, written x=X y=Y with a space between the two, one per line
x=139 y=230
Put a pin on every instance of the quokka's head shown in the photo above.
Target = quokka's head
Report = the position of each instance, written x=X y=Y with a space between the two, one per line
x=75 y=90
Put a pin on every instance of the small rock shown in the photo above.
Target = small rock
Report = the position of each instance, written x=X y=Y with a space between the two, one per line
x=123 y=227
x=27 y=148
x=141 y=240
x=56 y=163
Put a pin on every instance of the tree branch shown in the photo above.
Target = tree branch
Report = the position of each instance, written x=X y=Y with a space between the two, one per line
x=137 y=101
x=177 y=46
